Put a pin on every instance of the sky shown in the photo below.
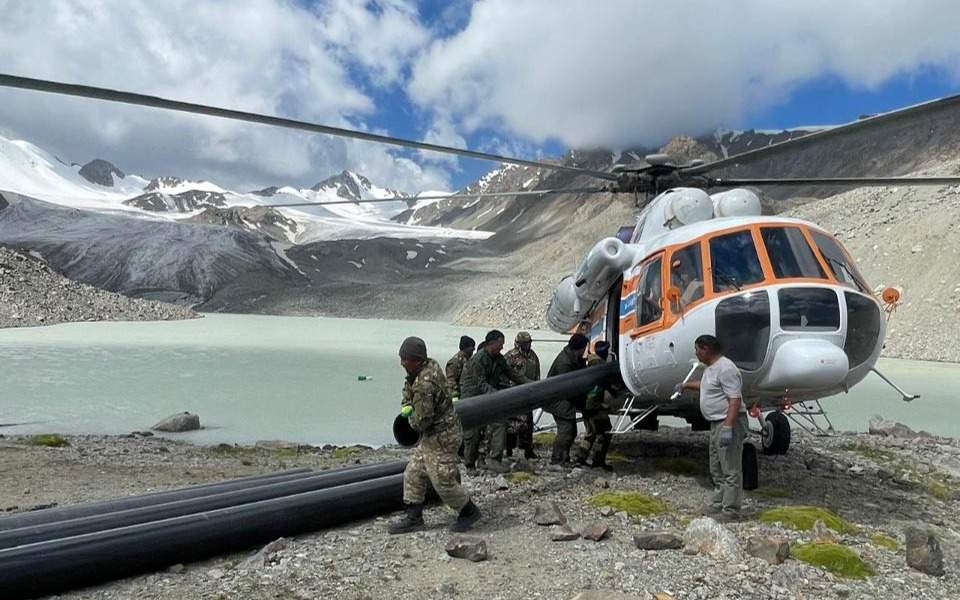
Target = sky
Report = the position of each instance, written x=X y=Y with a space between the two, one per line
x=528 y=78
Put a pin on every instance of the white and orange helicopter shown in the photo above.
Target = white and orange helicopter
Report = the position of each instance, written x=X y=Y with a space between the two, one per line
x=783 y=295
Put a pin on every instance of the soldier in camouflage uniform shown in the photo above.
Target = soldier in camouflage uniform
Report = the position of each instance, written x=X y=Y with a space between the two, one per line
x=596 y=415
x=523 y=360
x=455 y=366
x=487 y=372
x=434 y=460
x=565 y=411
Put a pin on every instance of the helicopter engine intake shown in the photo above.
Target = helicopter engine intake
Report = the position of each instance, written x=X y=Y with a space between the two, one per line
x=575 y=296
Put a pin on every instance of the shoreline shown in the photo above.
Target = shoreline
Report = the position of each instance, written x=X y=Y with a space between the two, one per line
x=878 y=484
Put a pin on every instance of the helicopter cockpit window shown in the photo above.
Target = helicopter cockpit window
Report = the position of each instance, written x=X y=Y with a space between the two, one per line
x=790 y=254
x=650 y=293
x=686 y=274
x=734 y=261
x=836 y=258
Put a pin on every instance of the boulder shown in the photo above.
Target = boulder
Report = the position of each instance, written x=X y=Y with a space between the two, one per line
x=923 y=551
x=880 y=426
x=472 y=549
x=704 y=535
x=595 y=531
x=822 y=533
x=548 y=513
x=563 y=533
x=501 y=483
x=266 y=555
x=184 y=421
x=657 y=540
x=773 y=549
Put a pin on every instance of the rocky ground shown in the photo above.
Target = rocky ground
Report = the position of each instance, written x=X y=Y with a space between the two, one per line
x=31 y=295
x=878 y=485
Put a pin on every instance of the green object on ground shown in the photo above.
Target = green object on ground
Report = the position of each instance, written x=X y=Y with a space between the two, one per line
x=678 y=465
x=634 y=503
x=835 y=558
x=406 y=411
x=884 y=541
x=803 y=518
x=545 y=438
x=50 y=440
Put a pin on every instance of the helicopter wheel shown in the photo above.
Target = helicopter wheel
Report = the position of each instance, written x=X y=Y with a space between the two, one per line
x=750 y=467
x=775 y=435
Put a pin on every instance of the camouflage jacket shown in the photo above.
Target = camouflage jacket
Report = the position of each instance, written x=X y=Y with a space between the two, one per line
x=596 y=397
x=454 y=370
x=567 y=361
x=426 y=392
x=528 y=366
x=485 y=373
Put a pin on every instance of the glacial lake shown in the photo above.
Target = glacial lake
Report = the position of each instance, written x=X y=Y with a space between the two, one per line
x=256 y=378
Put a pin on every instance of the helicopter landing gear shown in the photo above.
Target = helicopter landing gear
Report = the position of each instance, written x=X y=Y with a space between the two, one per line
x=775 y=435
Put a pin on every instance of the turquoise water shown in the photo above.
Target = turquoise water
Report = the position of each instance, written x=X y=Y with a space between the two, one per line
x=295 y=378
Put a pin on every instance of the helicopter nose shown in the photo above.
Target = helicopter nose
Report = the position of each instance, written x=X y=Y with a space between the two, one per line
x=806 y=364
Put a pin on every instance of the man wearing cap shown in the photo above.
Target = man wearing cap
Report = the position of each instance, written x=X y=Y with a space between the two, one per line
x=455 y=366
x=523 y=360
x=564 y=411
x=429 y=410
x=485 y=373
x=596 y=415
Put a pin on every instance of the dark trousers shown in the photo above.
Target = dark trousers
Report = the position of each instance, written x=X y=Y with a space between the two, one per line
x=566 y=434
x=598 y=437
x=471 y=445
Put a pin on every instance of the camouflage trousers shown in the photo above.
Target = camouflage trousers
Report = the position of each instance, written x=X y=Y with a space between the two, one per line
x=434 y=462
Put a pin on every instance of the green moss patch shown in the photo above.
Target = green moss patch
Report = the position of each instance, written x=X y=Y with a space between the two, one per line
x=837 y=559
x=545 y=438
x=50 y=440
x=884 y=541
x=348 y=451
x=615 y=456
x=678 y=465
x=874 y=454
x=520 y=477
x=633 y=503
x=803 y=518
x=771 y=492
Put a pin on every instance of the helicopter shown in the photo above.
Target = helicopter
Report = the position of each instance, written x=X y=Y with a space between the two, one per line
x=783 y=295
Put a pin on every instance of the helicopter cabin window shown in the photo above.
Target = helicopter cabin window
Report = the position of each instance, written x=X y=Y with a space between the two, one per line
x=650 y=293
x=686 y=274
x=790 y=254
x=809 y=309
x=743 y=327
x=863 y=328
x=836 y=258
x=734 y=261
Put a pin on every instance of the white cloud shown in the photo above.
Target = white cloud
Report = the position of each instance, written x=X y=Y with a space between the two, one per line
x=624 y=72
x=271 y=56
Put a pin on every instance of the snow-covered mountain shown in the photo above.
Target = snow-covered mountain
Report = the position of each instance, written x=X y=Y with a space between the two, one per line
x=101 y=186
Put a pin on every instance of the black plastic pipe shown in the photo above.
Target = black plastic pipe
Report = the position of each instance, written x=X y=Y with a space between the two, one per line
x=145 y=514
x=63 y=564
x=488 y=408
x=63 y=513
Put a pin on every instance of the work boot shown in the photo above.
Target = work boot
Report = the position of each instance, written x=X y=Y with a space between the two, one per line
x=529 y=454
x=601 y=465
x=496 y=465
x=411 y=521
x=469 y=515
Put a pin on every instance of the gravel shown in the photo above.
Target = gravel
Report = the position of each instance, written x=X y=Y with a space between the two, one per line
x=31 y=295
x=360 y=560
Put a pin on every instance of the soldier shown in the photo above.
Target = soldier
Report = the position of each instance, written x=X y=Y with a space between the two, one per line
x=596 y=415
x=523 y=360
x=564 y=411
x=487 y=372
x=455 y=366
x=434 y=461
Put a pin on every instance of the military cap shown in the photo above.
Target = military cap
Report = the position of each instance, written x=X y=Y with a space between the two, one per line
x=413 y=348
x=523 y=337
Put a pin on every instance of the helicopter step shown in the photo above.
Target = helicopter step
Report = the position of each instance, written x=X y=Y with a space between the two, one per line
x=630 y=418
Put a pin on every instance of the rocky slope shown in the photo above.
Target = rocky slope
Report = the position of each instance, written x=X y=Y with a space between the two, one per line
x=31 y=295
x=878 y=486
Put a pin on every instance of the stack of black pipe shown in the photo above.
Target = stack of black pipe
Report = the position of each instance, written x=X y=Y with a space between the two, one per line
x=58 y=549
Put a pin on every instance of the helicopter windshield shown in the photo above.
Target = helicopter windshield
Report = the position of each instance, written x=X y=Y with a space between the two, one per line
x=790 y=254
x=836 y=258
x=686 y=274
x=734 y=261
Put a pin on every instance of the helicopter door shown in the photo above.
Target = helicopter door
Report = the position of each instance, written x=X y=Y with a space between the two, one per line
x=613 y=315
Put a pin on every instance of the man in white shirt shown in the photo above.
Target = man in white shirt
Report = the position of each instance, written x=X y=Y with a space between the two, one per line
x=721 y=403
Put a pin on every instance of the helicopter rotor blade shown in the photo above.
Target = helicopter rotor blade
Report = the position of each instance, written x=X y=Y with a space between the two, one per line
x=438 y=197
x=818 y=136
x=857 y=181
x=98 y=93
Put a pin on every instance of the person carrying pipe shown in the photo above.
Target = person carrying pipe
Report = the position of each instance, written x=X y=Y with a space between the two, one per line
x=455 y=366
x=596 y=414
x=522 y=359
x=488 y=372
x=429 y=410
x=564 y=411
